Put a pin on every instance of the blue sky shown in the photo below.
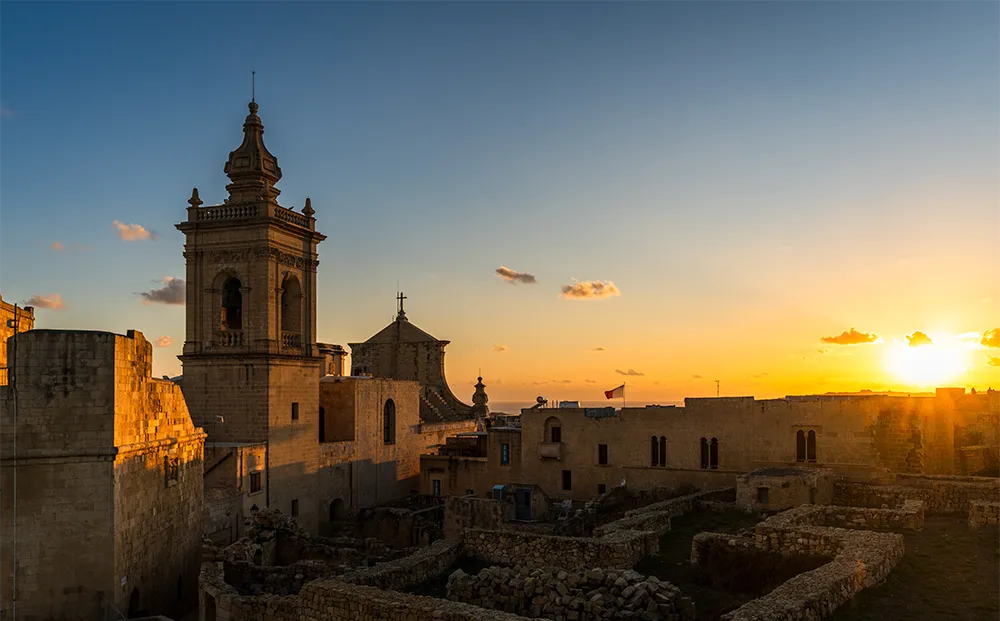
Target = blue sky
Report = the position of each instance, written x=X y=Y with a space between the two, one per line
x=751 y=176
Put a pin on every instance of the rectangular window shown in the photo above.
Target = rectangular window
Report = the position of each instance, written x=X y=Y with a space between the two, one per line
x=470 y=492
x=295 y=508
x=295 y=411
x=601 y=488
x=602 y=454
x=504 y=454
x=557 y=434
x=436 y=483
x=254 y=482
x=762 y=495
x=567 y=477
x=172 y=467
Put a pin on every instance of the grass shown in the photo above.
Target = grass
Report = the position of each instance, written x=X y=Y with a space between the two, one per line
x=948 y=572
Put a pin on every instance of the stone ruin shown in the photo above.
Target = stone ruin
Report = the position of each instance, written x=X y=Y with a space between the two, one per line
x=777 y=489
x=580 y=595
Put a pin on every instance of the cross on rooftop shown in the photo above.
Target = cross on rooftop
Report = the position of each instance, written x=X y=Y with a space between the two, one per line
x=400 y=297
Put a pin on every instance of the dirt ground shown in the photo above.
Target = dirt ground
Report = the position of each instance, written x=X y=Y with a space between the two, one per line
x=948 y=572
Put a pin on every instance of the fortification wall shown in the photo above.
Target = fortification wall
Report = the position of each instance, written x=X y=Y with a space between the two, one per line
x=940 y=494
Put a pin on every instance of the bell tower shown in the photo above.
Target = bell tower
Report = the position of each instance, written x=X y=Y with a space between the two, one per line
x=251 y=363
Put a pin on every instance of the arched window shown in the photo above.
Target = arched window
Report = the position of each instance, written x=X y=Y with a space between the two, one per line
x=704 y=453
x=322 y=424
x=663 y=451
x=232 y=304
x=389 y=422
x=553 y=430
x=291 y=305
x=713 y=454
x=654 y=453
x=800 y=445
x=336 y=509
x=811 y=446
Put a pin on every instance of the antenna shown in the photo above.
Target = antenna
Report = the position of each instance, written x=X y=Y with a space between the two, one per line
x=716 y=389
x=253 y=84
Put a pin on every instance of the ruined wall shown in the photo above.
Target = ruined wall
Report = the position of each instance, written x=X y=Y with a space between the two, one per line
x=773 y=489
x=461 y=512
x=93 y=431
x=984 y=514
x=940 y=494
x=655 y=517
x=506 y=547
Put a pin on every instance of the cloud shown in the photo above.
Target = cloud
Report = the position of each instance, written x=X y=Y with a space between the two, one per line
x=629 y=372
x=991 y=338
x=598 y=349
x=590 y=289
x=758 y=376
x=850 y=337
x=133 y=232
x=163 y=341
x=5 y=112
x=500 y=348
x=993 y=361
x=918 y=338
x=563 y=381
x=514 y=277
x=51 y=300
x=697 y=377
x=57 y=246
x=172 y=292
x=590 y=381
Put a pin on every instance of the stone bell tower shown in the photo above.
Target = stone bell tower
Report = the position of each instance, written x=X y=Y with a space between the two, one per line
x=251 y=363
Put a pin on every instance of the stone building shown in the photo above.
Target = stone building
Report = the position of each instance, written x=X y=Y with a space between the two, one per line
x=11 y=317
x=101 y=479
x=286 y=429
x=577 y=453
x=402 y=351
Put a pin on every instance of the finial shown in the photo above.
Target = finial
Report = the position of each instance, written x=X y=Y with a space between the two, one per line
x=194 y=201
x=308 y=209
x=400 y=297
x=253 y=84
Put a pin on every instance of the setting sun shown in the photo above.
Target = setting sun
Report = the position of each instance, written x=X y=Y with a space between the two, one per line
x=927 y=365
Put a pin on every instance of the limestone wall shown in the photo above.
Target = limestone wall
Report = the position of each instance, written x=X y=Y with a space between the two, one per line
x=940 y=495
x=506 y=547
x=461 y=512
x=25 y=321
x=410 y=570
x=656 y=517
x=983 y=514
x=771 y=489
x=584 y=595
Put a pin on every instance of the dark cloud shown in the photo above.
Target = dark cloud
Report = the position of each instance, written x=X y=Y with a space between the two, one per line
x=172 y=292
x=52 y=300
x=595 y=289
x=514 y=277
x=991 y=338
x=598 y=349
x=850 y=337
x=697 y=377
x=918 y=338
x=629 y=372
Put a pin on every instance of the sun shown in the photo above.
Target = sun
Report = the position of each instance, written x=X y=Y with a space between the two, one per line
x=927 y=366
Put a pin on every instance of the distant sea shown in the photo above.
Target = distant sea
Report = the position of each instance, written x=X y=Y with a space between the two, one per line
x=514 y=407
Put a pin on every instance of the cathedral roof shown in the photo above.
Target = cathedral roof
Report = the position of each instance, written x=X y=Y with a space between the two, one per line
x=402 y=331
x=252 y=169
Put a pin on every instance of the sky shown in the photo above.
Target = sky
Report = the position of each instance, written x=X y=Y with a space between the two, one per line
x=576 y=195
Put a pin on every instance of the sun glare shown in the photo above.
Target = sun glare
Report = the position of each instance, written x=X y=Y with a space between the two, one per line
x=927 y=366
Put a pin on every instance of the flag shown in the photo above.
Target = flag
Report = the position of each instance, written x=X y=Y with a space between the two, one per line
x=617 y=393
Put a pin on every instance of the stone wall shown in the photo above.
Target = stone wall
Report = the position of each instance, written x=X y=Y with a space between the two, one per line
x=622 y=549
x=940 y=494
x=25 y=321
x=656 y=517
x=774 y=489
x=461 y=512
x=584 y=595
x=982 y=514
x=410 y=570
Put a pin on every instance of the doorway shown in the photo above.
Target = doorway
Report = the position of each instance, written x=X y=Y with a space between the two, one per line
x=522 y=504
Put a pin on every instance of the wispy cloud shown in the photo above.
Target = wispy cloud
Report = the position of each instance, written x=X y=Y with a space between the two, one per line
x=597 y=349
x=163 y=341
x=850 y=337
x=629 y=372
x=590 y=381
x=57 y=246
x=991 y=338
x=52 y=301
x=500 y=348
x=514 y=277
x=993 y=361
x=563 y=381
x=172 y=292
x=133 y=232
x=697 y=377
x=758 y=376
x=594 y=289
x=918 y=338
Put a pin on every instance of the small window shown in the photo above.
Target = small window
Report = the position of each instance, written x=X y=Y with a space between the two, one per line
x=436 y=484
x=704 y=454
x=567 y=480
x=557 y=434
x=171 y=466
x=505 y=454
x=811 y=446
x=601 y=488
x=713 y=454
x=295 y=411
x=654 y=452
x=389 y=422
x=602 y=454
x=254 y=482
x=663 y=451
x=470 y=492
x=762 y=495
x=295 y=507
